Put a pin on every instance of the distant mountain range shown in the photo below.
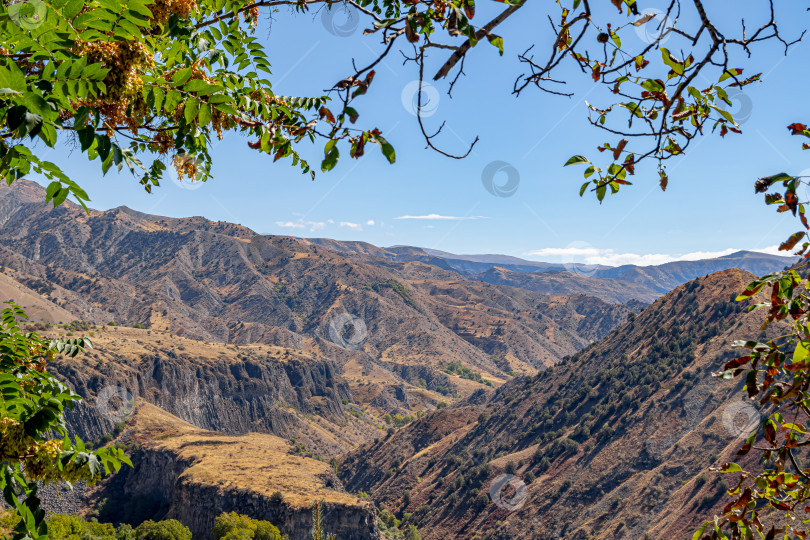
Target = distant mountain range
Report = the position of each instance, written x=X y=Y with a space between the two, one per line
x=644 y=283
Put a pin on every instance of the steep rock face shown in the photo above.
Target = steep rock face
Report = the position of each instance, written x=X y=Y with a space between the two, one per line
x=269 y=390
x=184 y=473
x=158 y=475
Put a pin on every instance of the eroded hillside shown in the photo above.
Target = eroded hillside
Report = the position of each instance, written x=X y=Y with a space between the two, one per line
x=220 y=282
x=615 y=442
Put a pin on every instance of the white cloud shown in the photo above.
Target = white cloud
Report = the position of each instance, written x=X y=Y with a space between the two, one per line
x=300 y=224
x=438 y=216
x=352 y=226
x=772 y=250
x=608 y=257
x=290 y=225
x=370 y=223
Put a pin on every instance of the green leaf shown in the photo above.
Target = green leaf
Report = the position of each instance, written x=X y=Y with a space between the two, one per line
x=732 y=72
x=191 y=109
x=496 y=41
x=633 y=108
x=676 y=65
x=699 y=533
x=801 y=352
x=387 y=149
x=12 y=77
x=727 y=468
x=205 y=114
x=225 y=108
x=200 y=87
x=575 y=160
x=181 y=77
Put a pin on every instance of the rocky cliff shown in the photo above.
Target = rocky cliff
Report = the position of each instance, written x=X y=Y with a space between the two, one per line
x=213 y=386
x=192 y=475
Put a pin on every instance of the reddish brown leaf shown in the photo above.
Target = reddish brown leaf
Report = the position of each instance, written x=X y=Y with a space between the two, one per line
x=737 y=362
x=324 y=112
x=797 y=129
x=770 y=433
x=791 y=200
x=773 y=198
x=469 y=10
x=645 y=19
x=629 y=164
x=618 y=150
x=791 y=242
x=410 y=33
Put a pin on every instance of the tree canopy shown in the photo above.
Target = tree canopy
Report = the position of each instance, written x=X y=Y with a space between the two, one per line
x=34 y=442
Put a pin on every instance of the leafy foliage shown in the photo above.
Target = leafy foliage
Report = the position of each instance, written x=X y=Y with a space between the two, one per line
x=168 y=529
x=658 y=102
x=774 y=498
x=157 y=78
x=32 y=407
x=234 y=525
x=68 y=527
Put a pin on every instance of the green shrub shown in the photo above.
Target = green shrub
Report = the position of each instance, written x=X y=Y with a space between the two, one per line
x=169 y=529
x=412 y=533
x=233 y=526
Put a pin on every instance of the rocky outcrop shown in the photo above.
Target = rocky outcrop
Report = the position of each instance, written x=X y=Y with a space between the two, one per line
x=229 y=397
x=157 y=482
x=192 y=475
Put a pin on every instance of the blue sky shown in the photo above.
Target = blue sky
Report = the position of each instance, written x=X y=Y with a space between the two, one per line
x=428 y=200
